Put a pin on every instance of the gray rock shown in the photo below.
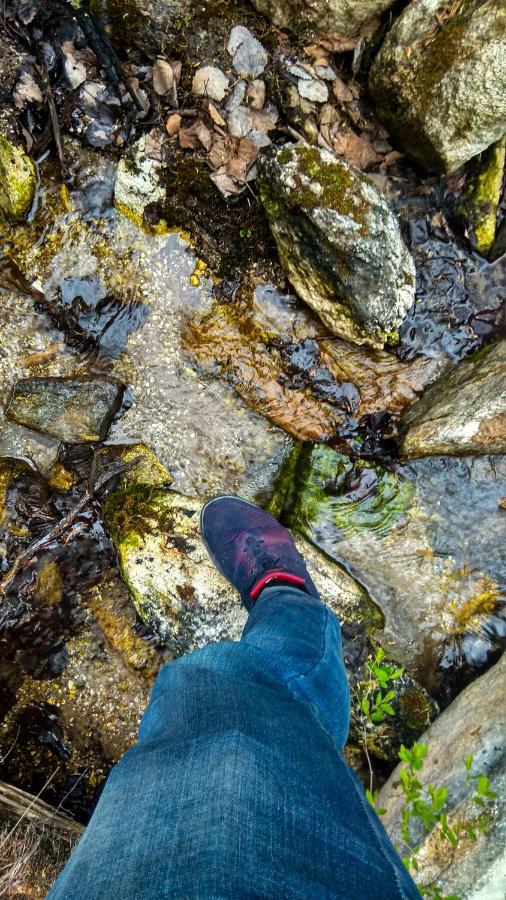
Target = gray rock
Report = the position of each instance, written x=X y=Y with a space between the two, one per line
x=71 y=409
x=345 y=16
x=463 y=412
x=441 y=89
x=209 y=81
x=338 y=242
x=475 y=723
x=249 y=57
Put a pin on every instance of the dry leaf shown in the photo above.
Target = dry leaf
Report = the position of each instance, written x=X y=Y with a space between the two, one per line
x=27 y=90
x=204 y=135
x=154 y=144
x=391 y=158
x=198 y=134
x=163 y=77
x=225 y=184
x=216 y=116
x=173 y=124
x=356 y=150
x=341 y=90
x=220 y=153
x=243 y=159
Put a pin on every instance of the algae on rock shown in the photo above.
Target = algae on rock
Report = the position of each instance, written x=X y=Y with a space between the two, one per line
x=484 y=195
x=338 y=242
x=17 y=181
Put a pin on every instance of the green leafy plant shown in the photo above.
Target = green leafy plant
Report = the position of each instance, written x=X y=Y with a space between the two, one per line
x=375 y=696
x=425 y=805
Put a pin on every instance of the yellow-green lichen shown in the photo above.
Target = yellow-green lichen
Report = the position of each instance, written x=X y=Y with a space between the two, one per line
x=483 y=196
x=17 y=181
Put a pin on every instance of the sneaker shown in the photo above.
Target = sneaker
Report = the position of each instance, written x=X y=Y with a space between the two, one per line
x=250 y=548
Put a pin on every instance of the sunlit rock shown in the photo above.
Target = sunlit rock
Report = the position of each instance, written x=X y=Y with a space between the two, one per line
x=338 y=242
x=345 y=16
x=439 y=80
x=463 y=412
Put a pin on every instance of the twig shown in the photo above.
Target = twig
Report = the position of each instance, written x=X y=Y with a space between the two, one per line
x=24 y=559
x=28 y=808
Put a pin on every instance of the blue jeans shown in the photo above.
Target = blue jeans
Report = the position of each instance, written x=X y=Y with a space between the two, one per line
x=237 y=787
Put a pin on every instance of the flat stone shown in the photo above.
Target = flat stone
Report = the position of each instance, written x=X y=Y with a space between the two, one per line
x=475 y=723
x=441 y=90
x=338 y=242
x=249 y=57
x=463 y=412
x=210 y=82
x=71 y=409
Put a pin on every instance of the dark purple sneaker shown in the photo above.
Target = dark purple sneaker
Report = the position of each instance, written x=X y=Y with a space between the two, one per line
x=251 y=549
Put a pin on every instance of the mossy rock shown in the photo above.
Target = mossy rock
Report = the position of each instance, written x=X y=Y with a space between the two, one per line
x=338 y=242
x=484 y=195
x=324 y=493
x=18 y=181
x=325 y=15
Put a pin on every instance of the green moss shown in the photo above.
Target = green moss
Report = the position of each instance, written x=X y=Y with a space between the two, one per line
x=318 y=184
x=415 y=709
x=17 y=181
x=484 y=194
x=324 y=503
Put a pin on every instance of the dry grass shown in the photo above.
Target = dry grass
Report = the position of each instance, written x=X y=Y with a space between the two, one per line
x=31 y=856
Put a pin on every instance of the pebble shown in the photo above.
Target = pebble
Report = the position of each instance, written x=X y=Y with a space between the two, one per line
x=210 y=82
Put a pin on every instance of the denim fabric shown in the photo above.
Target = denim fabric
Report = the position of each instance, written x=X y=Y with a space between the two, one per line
x=236 y=787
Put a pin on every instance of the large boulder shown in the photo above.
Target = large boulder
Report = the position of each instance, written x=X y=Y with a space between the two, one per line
x=439 y=80
x=339 y=243
x=71 y=409
x=475 y=723
x=463 y=412
x=345 y=16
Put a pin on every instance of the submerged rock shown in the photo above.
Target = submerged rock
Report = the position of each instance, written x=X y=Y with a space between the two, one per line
x=338 y=242
x=345 y=16
x=463 y=412
x=475 y=723
x=281 y=361
x=391 y=528
x=71 y=409
x=484 y=196
x=439 y=80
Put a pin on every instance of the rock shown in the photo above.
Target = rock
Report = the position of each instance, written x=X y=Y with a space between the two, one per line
x=278 y=357
x=475 y=723
x=17 y=171
x=463 y=412
x=439 y=80
x=17 y=181
x=210 y=82
x=71 y=409
x=345 y=16
x=151 y=26
x=175 y=587
x=338 y=242
x=138 y=182
x=415 y=545
x=484 y=196
x=249 y=57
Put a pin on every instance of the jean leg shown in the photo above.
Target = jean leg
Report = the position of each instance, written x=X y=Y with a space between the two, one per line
x=301 y=637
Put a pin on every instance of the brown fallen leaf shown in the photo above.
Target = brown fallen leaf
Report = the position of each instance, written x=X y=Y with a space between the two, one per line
x=196 y=135
x=163 y=77
x=204 y=135
x=341 y=90
x=173 y=124
x=27 y=90
x=220 y=152
x=216 y=116
x=242 y=161
x=155 y=143
x=391 y=158
x=225 y=184
x=356 y=150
